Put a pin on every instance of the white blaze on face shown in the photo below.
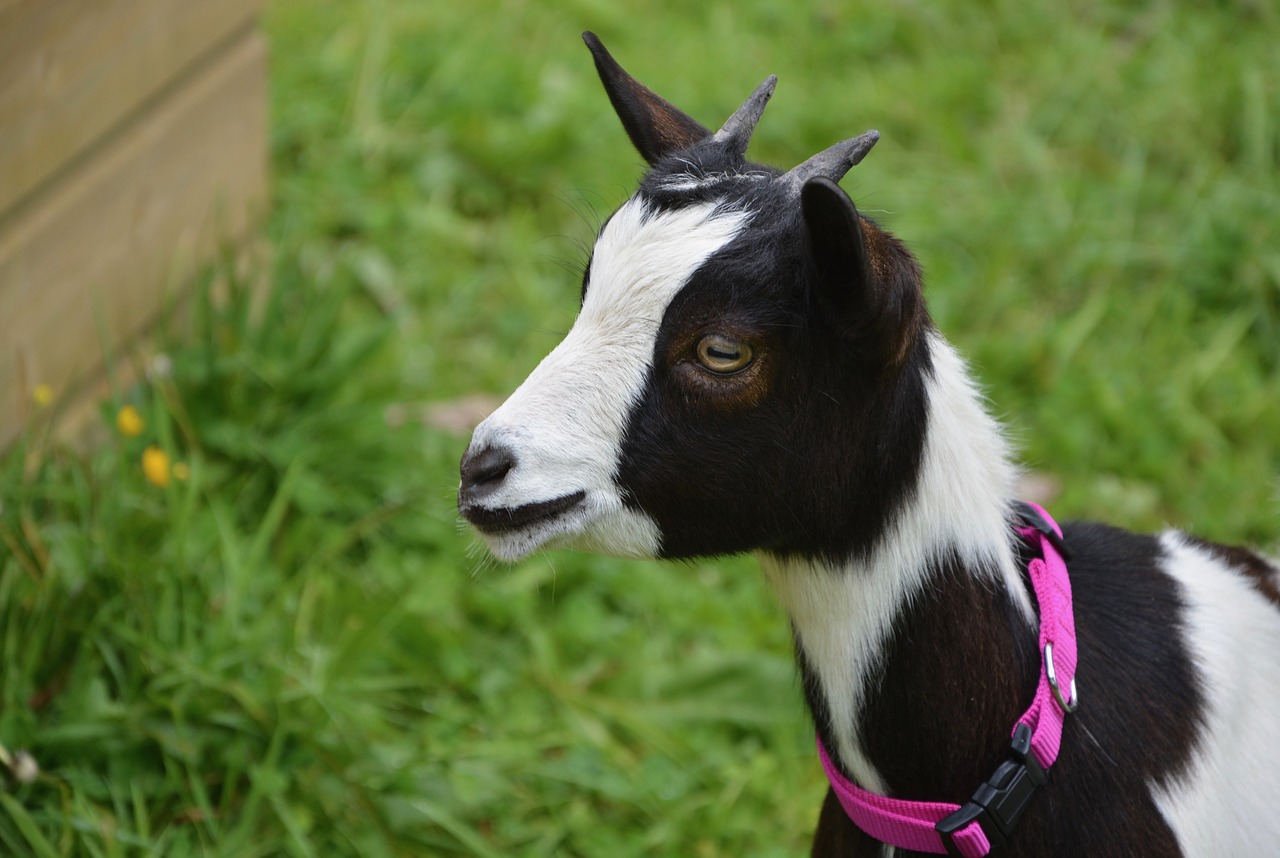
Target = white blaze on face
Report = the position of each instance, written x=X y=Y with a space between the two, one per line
x=565 y=424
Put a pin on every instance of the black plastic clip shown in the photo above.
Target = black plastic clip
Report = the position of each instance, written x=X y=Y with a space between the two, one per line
x=1031 y=517
x=999 y=802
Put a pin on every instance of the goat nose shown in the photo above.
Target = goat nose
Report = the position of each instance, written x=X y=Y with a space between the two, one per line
x=483 y=471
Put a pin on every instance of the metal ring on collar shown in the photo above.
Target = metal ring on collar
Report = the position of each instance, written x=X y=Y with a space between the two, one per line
x=1067 y=707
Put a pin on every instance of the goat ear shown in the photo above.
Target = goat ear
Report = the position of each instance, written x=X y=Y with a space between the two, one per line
x=656 y=127
x=868 y=286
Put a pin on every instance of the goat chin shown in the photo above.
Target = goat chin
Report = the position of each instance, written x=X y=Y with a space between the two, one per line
x=600 y=524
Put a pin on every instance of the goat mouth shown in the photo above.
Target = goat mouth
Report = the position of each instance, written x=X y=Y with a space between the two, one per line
x=508 y=519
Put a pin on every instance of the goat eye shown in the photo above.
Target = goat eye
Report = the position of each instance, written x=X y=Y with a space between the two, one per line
x=723 y=355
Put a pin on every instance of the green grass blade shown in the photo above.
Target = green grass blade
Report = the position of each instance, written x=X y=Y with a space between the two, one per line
x=39 y=846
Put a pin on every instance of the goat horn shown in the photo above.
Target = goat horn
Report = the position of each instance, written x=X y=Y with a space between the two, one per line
x=737 y=129
x=833 y=163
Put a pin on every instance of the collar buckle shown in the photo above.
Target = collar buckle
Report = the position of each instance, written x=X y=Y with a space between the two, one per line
x=998 y=804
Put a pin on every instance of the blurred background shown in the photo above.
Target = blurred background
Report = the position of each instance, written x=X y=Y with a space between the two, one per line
x=263 y=265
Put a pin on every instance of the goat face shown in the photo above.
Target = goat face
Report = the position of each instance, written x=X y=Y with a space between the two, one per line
x=746 y=371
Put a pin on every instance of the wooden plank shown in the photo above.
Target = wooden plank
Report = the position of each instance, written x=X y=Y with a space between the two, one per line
x=97 y=255
x=76 y=419
x=72 y=70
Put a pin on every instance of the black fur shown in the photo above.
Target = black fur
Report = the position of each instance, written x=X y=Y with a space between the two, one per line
x=862 y=425
x=804 y=298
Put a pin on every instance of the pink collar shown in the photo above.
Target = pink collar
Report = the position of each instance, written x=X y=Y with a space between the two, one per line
x=986 y=820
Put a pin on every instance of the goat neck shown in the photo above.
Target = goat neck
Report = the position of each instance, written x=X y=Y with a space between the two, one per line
x=940 y=591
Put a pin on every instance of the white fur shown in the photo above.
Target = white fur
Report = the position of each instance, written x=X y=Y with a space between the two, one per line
x=1233 y=633
x=565 y=424
x=695 y=180
x=842 y=616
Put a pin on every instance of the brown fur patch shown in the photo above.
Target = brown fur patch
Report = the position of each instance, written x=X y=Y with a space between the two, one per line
x=893 y=268
x=1260 y=573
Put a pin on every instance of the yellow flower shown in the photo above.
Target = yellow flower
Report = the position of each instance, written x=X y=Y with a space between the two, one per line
x=43 y=394
x=155 y=466
x=130 y=422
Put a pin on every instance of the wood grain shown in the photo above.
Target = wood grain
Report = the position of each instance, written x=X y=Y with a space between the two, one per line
x=88 y=264
x=72 y=71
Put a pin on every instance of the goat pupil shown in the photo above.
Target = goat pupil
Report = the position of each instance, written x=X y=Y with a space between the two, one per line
x=722 y=355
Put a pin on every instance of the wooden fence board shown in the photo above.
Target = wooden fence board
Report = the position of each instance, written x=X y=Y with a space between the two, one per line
x=71 y=70
x=97 y=253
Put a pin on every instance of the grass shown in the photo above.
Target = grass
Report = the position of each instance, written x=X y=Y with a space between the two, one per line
x=297 y=651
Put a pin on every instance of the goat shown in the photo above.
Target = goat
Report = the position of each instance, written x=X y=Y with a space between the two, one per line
x=753 y=369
